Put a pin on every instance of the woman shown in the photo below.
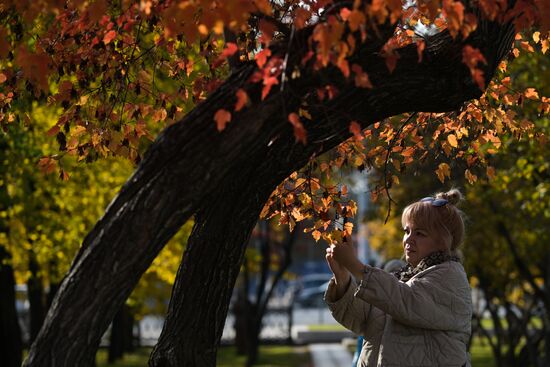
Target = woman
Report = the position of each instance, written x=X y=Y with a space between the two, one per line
x=420 y=315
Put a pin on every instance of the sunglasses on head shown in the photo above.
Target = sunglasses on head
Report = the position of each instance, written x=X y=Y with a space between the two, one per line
x=434 y=201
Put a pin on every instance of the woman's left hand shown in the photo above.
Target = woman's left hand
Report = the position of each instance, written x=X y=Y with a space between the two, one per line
x=346 y=256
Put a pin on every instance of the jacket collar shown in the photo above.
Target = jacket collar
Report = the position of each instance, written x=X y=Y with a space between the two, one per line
x=435 y=258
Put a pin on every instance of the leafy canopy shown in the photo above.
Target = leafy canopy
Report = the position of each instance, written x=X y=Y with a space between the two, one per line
x=121 y=71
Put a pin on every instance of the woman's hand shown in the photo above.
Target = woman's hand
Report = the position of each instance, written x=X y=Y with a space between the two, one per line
x=344 y=256
x=340 y=272
x=342 y=276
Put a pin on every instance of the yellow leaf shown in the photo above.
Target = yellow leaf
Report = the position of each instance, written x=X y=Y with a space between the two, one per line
x=297 y=214
x=451 y=138
x=443 y=171
x=304 y=113
x=348 y=228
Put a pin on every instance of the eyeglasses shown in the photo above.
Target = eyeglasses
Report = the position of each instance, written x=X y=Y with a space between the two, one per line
x=434 y=201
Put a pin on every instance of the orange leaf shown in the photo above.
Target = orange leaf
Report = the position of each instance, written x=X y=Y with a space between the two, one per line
x=316 y=235
x=109 y=36
x=344 y=190
x=408 y=152
x=222 y=117
x=491 y=173
x=3 y=78
x=470 y=176
x=531 y=93
x=242 y=99
x=355 y=19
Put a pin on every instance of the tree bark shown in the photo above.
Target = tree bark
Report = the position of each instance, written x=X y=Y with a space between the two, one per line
x=187 y=167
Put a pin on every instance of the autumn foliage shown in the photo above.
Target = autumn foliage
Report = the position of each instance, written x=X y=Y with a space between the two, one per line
x=118 y=72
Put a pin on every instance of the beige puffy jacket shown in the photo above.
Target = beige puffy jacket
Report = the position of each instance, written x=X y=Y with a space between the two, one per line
x=423 y=322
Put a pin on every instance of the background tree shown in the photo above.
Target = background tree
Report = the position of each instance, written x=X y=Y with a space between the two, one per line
x=118 y=69
x=47 y=217
x=264 y=268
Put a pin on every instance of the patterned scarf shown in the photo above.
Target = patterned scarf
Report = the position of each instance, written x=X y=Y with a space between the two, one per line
x=438 y=257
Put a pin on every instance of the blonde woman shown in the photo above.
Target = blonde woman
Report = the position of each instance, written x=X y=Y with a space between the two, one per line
x=420 y=315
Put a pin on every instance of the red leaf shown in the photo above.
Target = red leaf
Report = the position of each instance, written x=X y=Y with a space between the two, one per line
x=267 y=29
x=299 y=131
x=242 y=99
x=109 y=36
x=53 y=131
x=391 y=61
x=268 y=83
x=261 y=57
x=361 y=78
x=47 y=165
x=472 y=57
x=222 y=117
x=4 y=44
x=355 y=129
x=420 y=46
x=230 y=49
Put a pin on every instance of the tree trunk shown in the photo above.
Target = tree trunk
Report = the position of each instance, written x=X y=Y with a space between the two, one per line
x=200 y=299
x=190 y=164
x=11 y=346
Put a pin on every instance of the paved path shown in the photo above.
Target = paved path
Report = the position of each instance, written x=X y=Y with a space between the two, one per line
x=330 y=355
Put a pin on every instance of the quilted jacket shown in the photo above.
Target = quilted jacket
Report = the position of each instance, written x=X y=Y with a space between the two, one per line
x=423 y=322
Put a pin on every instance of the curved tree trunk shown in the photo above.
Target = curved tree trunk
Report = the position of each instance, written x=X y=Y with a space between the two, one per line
x=187 y=167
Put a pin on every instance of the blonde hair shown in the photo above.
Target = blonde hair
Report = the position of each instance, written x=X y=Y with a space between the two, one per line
x=444 y=222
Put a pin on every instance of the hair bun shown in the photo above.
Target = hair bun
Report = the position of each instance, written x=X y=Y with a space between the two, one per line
x=453 y=196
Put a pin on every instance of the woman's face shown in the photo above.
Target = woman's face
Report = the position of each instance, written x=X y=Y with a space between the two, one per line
x=418 y=243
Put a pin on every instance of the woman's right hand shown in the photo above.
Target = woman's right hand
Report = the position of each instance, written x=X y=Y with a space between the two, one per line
x=341 y=274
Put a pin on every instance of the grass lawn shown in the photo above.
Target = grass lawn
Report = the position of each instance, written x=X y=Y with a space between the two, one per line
x=271 y=355
x=323 y=327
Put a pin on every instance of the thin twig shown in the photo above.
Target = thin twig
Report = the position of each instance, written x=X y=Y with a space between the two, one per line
x=390 y=147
